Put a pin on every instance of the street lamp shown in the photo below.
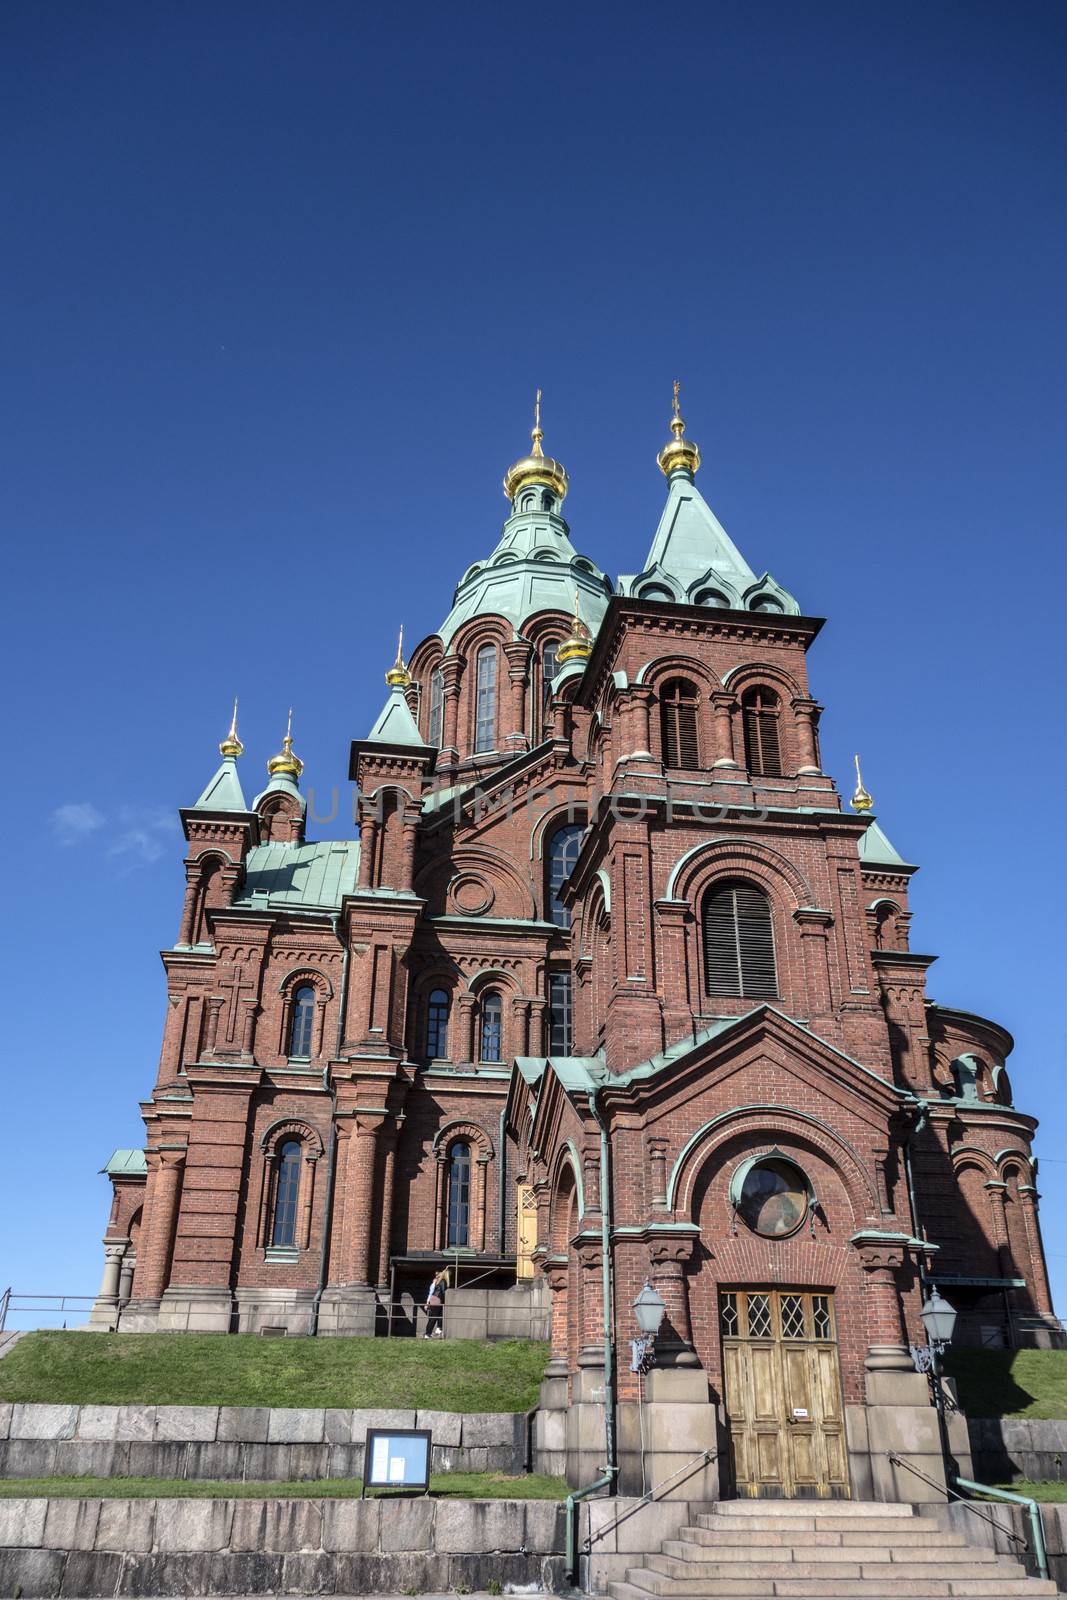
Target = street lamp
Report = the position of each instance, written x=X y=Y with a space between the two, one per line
x=649 y=1309
x=939 y=1320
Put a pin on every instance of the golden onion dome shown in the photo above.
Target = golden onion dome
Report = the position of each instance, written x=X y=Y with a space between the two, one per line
x=579 y=645
x=398 y=676
x=861 y=800
x=536 y=468
x=285 y=760
x=679 y=455
x=231 y=745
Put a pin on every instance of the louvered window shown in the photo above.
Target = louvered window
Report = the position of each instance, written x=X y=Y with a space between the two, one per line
x=763 y=755
x=738 y=942
x=678 y=709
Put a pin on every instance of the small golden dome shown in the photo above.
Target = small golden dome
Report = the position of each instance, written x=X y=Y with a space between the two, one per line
x=231 y=745
x=579 y=645
x=861 y=800
x=285 y=760
x=680 y=455
x=536 y=468
x=398 y=676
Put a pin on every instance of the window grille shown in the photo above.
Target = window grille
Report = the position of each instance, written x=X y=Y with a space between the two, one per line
x=492 y=1017
x=738 y=943
x=559 y=1014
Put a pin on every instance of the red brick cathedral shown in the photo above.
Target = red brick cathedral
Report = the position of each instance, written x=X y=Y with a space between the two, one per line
x=609 y=988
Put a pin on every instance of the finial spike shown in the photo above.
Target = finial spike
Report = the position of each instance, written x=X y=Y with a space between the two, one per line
x=285 y=761
x=861 y=800
x=536 y=434
x=398 y=676
x=231 y=745
x=679 y=455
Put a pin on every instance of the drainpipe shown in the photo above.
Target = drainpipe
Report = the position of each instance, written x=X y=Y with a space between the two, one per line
x=609 y=1477
x=1037 y=1530
x=331 y=1172
x=502 y=1186
x=909 y=1178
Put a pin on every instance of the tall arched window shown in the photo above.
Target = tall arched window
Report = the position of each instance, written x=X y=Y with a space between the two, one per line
x=492 y=1029
x=459 y=1195
x=485 y=703
x=437 y=1025
x=759 y=711
x=738 y=942
x=549 y=668
x=561 y=854
x=435 y=723
x=302 y=1026
x=559 y=1014
x=678 y=713
x=286 y=1194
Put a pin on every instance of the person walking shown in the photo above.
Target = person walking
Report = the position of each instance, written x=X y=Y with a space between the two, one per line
x=435 y=1305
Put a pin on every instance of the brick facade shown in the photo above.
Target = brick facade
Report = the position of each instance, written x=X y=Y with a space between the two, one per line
x=848 y=1069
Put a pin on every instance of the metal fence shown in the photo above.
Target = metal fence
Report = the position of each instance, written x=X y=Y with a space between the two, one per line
x=53 y=1305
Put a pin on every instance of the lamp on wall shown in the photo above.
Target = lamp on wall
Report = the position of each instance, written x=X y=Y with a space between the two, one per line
x=649 y=1310
x=939 y=1321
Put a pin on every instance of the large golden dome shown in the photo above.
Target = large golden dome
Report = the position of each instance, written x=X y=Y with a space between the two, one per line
x=536 y=468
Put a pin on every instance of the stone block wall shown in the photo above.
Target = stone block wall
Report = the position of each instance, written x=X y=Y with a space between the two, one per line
x=1006 y=1529
x=272 y=1547
x=1006 y=1448
x=249 y=1443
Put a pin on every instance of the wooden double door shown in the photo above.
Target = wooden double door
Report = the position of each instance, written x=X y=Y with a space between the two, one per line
x=783 y=1393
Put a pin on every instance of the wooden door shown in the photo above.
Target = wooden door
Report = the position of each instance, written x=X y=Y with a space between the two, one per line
x=783 y=1394
x=526 y=1231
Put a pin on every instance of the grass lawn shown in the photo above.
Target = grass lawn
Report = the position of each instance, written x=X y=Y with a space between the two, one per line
x=1048 y=1492
x=1006 y=1383
x=235 y=1369
x=451 y=1485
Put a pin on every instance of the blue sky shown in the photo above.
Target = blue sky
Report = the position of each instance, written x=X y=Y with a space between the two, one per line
x=278 y=285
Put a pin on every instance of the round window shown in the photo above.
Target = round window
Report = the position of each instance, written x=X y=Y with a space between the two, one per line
x=774 y=1198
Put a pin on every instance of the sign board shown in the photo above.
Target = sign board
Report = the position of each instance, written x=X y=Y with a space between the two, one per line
x=396 y=1458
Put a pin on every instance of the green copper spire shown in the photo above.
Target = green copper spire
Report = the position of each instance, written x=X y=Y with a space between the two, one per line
x=224 y=792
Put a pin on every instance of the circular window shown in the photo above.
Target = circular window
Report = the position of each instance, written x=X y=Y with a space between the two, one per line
x=774 y=1198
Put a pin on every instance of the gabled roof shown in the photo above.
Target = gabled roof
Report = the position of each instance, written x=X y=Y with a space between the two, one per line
x=396 y=725
x=291 y=876
x=693 y=559
x=224 y=792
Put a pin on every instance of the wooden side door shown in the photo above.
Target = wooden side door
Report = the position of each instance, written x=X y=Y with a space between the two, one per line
x=783 y=1394
x=526 y=1230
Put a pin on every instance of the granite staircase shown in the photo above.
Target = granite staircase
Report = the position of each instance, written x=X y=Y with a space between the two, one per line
x=758 y=1549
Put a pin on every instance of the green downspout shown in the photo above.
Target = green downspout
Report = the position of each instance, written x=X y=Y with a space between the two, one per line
x=909 y=1176
x=609 y=1477
x=1037 y=1530
x=331 y=1175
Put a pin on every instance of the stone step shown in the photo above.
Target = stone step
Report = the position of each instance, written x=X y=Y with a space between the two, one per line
x=814 y=1508
x=886 y=1572
x=702 y=1558
x=641 y=1582
x=809 y=1538
x=756 y=1527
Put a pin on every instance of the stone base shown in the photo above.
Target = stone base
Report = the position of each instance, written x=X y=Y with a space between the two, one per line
x=192 y=1309
x=899 y=1418
x=662 y=1439
x=290 y=1309
x=104 y=1317
x=1038 y=1332
x=349 y=1311
x=519 y=1313
x=139 y=1316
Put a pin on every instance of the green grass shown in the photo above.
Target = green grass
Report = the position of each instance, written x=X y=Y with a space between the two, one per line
x=451 y=1485
x=1008 y=1383
x=1046 y=1491
x=76 y=1368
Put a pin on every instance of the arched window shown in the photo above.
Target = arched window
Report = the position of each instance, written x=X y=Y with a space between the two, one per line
x=492 y=1028
x=759 y=711
x=678 y=712
x=437 y=1025
x=302 y=1026
x=561 y=854
x=549 y=668
x=459 y=1195
x=738 y=942
x=485 y=699
x=435 y=723
x=286 y=1194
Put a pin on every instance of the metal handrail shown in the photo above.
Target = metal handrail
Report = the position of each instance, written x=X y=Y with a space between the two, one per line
x=53 y=1303
x=649 y=1496
x=1037 y=1531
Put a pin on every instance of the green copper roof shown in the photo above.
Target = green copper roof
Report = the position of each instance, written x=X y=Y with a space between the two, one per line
x=223 y=793
x=875 y=849
x=126 y=1164
x=282 y=783
x=533 y=568
x=315 y=876
x=693 y=560
x=396 y=725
